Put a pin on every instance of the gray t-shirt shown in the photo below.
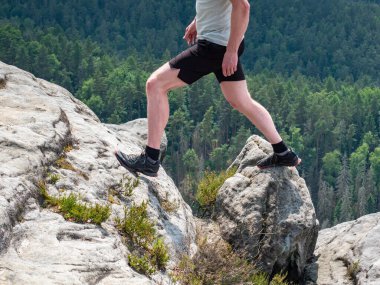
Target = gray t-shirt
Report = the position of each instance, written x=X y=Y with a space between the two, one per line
x=214 y=20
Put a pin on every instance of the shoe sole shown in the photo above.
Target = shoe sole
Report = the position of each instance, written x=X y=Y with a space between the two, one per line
x=265 y=167
x=131 y=169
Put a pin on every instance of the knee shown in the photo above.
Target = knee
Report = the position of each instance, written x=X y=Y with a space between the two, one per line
x=234 y=103
x=153 y=85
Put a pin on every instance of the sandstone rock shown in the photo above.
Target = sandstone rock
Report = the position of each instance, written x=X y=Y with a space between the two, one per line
x=353 y=245
x=37 y=121
x=268 y=214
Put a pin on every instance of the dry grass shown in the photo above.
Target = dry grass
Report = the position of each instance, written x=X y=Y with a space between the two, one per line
x=216 y=263
x=62 y=162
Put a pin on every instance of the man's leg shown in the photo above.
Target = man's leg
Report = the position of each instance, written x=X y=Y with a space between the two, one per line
x=157 y=87
x=237 y=94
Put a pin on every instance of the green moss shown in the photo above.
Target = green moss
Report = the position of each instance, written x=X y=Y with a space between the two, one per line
x=209 y=186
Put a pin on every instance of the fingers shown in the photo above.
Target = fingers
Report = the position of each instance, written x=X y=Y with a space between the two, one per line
x=229 y=69
x=190 y=37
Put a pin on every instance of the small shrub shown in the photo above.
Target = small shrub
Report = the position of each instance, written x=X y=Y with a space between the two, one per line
x=53 y=178
x=260 y=279
x=160 y=256
x=279 y=279
x=209 y=186
x=141 y=264
x=128 y=185
x=143 y=236
x=137 y=226
x=216 y=263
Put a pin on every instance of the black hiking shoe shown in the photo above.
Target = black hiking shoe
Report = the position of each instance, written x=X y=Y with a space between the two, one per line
x=273 y=160
x=138 y=163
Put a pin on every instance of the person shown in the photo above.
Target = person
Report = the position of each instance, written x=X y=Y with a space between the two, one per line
x=216 y=39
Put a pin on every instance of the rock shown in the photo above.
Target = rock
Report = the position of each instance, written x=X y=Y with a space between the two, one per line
x=39 y=123
x=353 y=245
x=268 y=214
x=139 y=130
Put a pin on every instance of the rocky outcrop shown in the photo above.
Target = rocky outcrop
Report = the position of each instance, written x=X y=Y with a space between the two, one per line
x=268 y=214
x=38 y=122
x=349 y=253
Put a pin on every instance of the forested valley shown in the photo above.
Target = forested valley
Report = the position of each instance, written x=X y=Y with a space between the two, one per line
x=313 y=64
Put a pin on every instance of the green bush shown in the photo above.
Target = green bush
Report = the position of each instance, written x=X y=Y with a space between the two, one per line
x=152 y=254
x=209 y=185
x=141 y=264
x=160 y=256
x=137 y=226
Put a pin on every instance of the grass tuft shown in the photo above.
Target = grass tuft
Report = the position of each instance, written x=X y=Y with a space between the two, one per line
x=62 y=162
x=72 y=209
x=53 y=178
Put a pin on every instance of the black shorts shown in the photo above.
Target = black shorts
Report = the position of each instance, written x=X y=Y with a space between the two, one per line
x=203 y=58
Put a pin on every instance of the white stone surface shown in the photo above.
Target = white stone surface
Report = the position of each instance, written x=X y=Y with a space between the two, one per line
x=37 y=119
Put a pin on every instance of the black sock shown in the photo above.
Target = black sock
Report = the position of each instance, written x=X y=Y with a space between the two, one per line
x=153 y=153
x=280 y=148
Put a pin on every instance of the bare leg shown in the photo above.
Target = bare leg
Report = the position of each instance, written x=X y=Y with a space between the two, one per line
x=237 y=94
x=157 y=87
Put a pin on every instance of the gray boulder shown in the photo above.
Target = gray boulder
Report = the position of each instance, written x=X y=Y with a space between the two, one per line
x=268 y=214
x=39 y=121
x=349 y=253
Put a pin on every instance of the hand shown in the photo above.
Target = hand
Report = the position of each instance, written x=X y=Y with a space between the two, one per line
x=191 y=33
x=229 y=65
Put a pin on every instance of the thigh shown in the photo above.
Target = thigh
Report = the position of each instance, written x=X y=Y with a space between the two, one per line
x=236 y=91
